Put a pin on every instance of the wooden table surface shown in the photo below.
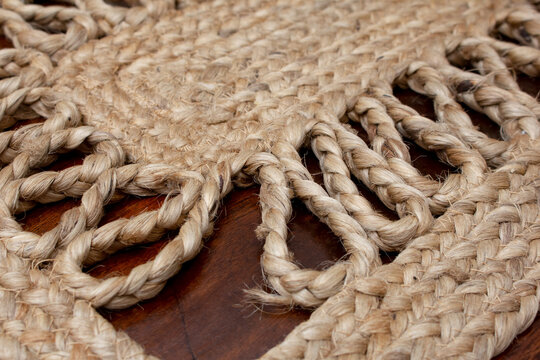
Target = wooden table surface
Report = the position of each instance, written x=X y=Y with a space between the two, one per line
x=201 y=313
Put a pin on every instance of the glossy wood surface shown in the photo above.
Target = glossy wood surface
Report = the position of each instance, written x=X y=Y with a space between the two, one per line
x=201 y=313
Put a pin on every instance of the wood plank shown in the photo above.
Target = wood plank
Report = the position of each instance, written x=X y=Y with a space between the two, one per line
x=201 y=313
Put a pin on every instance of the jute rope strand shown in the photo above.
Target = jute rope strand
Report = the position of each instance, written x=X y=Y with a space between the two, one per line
x=23 y=72
x=305 y=287
x=26 y=296
x=383 y=136
x=498 y=104
x=40 y=143
x=51 y=18
x=22 y=34
x=110 y=17
x=293 y=285
x=430 y=82
x=145 y=280
x=487 y=61
x=66 y=116
x=185 y=99
x=410 y=205
x=375 y=335
x=522 y=25
x=430 y=135
x=90 y=19
x=520 y=58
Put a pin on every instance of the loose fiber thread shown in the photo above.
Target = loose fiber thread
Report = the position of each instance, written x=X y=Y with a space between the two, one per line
x=188 y=99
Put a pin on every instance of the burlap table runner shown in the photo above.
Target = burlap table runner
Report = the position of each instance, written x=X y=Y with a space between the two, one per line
x=188 y=99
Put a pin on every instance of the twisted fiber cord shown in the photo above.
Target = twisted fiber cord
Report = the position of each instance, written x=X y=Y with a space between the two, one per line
x=411 y=206
x=428 y=81
x=88 y=20
x=475 y=250
x=485 y=59
x=521 y=58
x=23 y=73
x=307 y=287
x=499 y=105
x=23 y=34
x=32 y=305
x=386 y=140
x=432 y=136
x=521 y=25
x=238 y=96
x=292 y=284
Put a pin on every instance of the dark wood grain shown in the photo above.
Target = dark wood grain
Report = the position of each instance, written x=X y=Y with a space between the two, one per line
x=201 y=313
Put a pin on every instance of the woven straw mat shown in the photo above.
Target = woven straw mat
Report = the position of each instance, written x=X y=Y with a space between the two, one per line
x=191 y=99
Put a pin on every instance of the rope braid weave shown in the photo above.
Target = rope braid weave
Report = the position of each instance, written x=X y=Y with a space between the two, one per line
x=186 y=99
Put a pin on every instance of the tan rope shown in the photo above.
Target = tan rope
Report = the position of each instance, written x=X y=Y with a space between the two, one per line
x=188 y=99
x=375 y=317
x=521 y=58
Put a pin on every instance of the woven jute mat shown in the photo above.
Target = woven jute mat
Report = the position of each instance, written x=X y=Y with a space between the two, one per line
x=192 y=99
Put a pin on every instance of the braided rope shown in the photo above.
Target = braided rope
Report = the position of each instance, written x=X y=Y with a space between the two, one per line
x=187 y=99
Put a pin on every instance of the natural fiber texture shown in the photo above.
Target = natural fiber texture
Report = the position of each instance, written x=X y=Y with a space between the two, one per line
x=187 y=99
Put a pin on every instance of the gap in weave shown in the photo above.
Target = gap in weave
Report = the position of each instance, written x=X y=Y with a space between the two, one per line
x=312 y=164
x=45 y=217
x=5 y=43
x=468 y=67
x=529 y=85
x=496 y=34
x=23 y=116
x=321 y=251
x=304 y=221
x=51 y=3
x=483 y=123
x=19 y=124
x=120 y=3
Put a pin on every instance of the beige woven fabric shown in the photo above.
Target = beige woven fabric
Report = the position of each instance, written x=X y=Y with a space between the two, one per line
x=188 y=98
